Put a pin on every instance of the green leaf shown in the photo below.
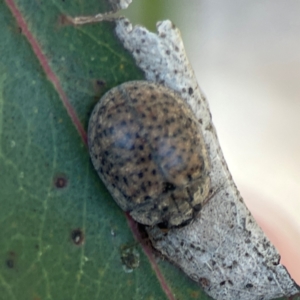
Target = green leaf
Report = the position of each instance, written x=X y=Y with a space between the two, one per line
x=62 y=235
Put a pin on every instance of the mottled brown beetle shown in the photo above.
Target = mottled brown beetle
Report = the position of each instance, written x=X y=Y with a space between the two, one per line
x=147 y=147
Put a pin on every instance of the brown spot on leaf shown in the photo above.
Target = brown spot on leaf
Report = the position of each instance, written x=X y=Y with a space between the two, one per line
x=64 y=20
x=98 y=85
x=10 y=263
x=194 y=294
x=11 y=260
x=60 y=181
x=77 y=236
x=130 y=258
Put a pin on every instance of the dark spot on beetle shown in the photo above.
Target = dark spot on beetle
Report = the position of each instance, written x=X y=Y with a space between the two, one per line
x=200 y=121
x=153 y=97
x=176 y=49
x=126 y=23
x=249 y=286
x=137 y=51
x=167 y=187
x=143 y=40
x=153 y=172
x=230 y=282
x=168 y=52
x=60 y=181
x=222 y=282
x=270 y=278
x=125 y=180
x=77 y=236
x=163 y=35
x=141 y=175
x=123 y=123
x=141 y=147
x=191 y=91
